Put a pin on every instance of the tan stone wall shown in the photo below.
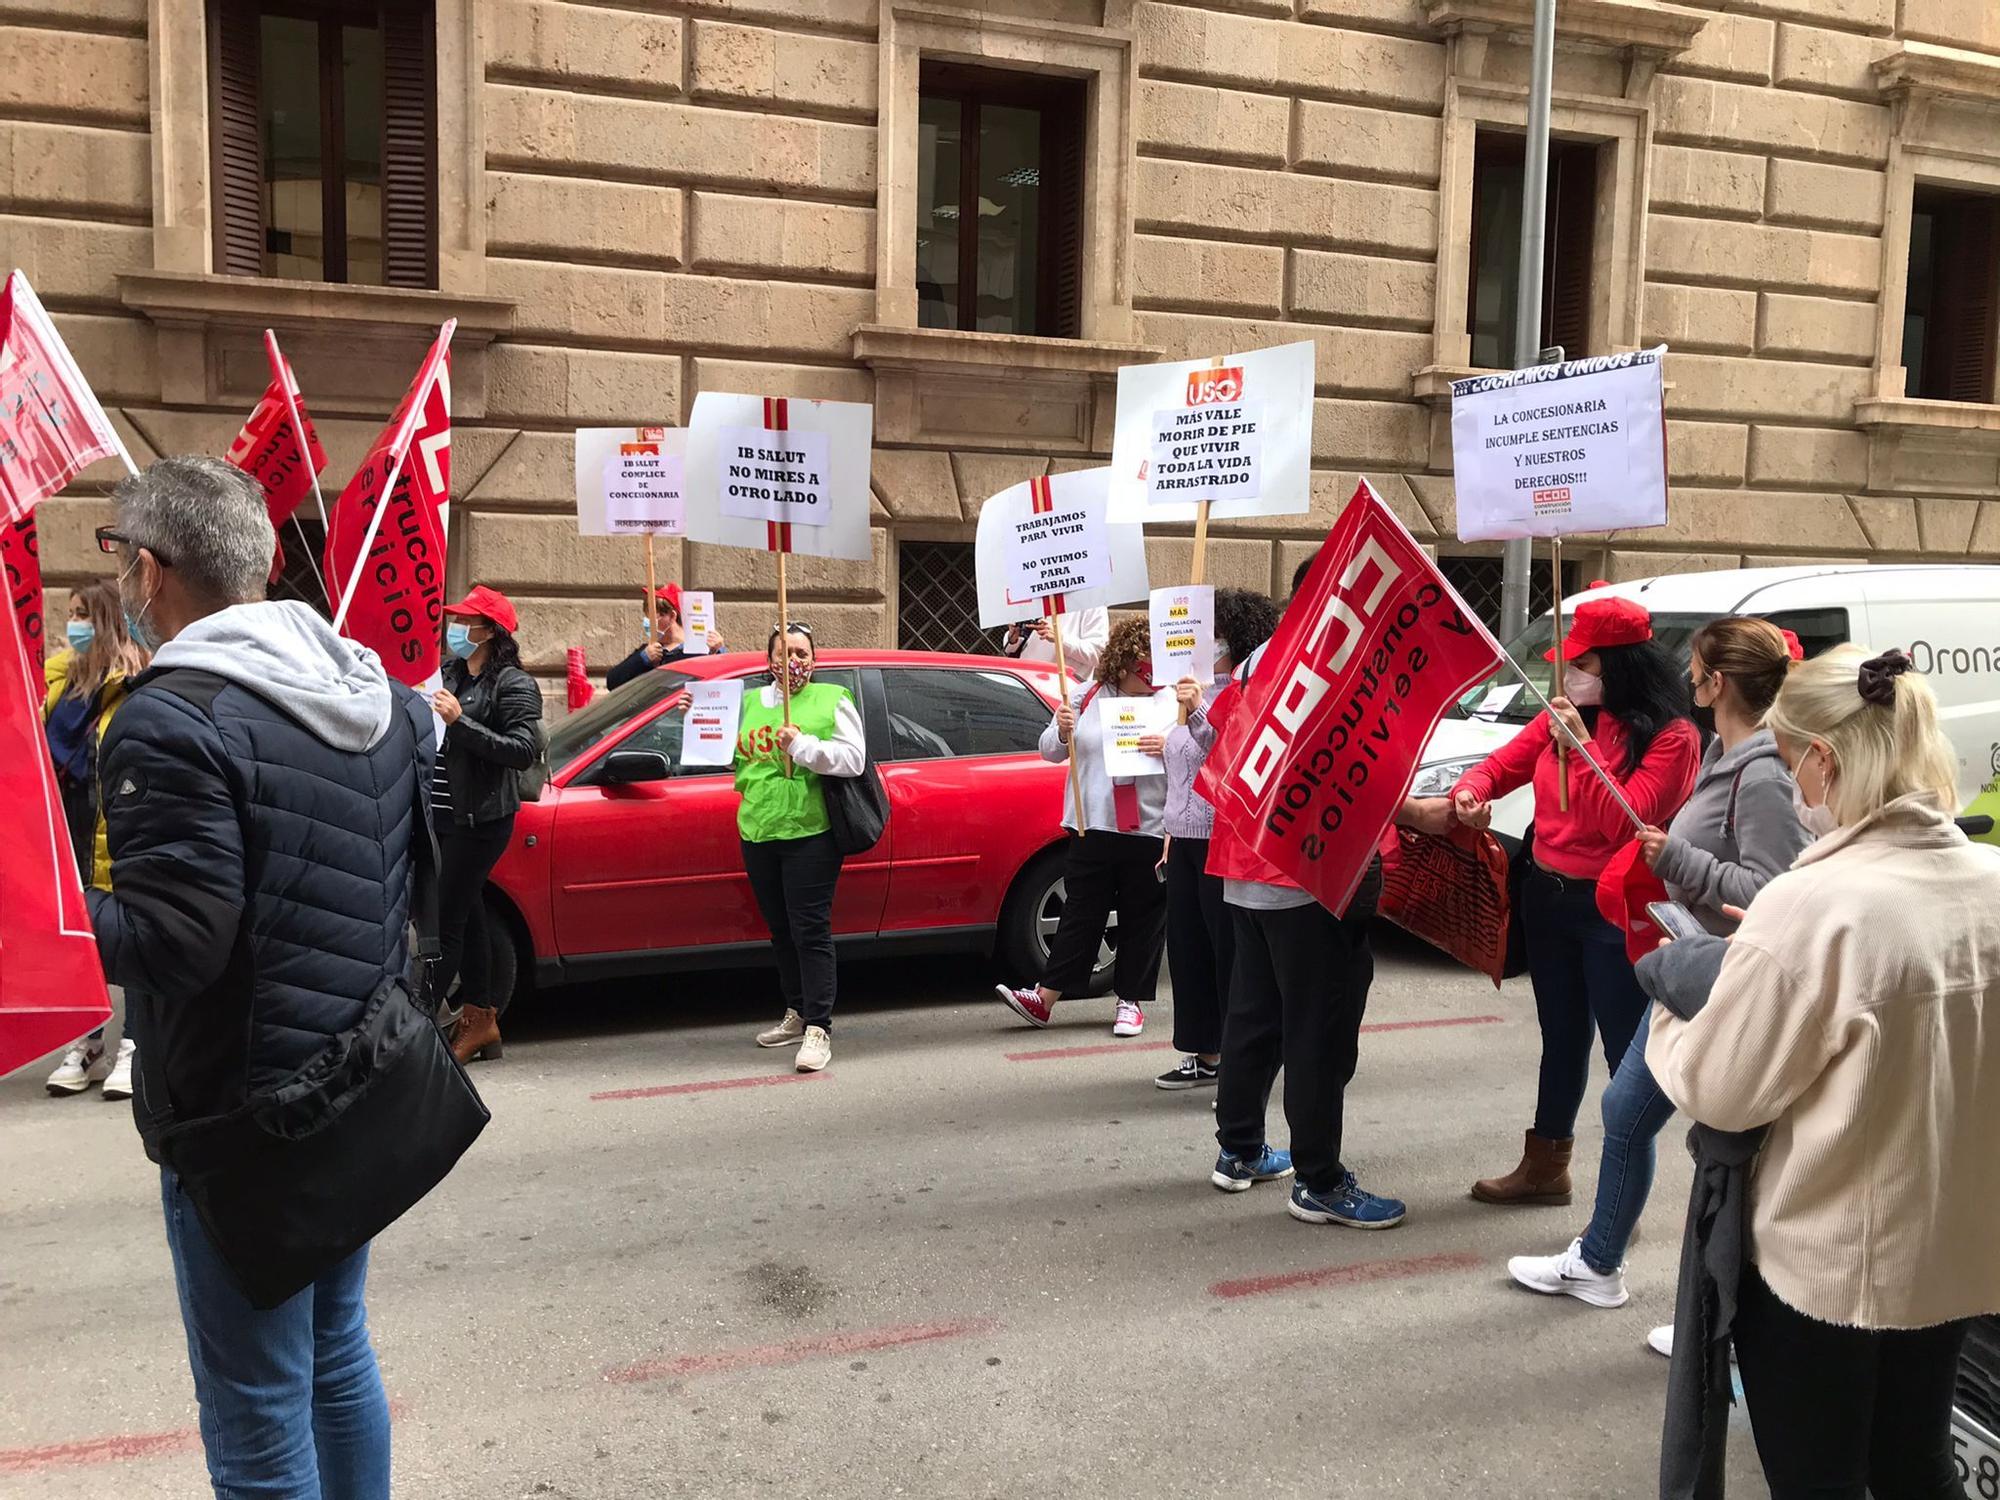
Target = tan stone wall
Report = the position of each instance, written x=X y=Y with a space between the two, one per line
x=683 y=197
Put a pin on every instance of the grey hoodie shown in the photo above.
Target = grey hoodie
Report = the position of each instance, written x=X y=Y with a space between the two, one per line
x=1706 y=864
x=286 y=654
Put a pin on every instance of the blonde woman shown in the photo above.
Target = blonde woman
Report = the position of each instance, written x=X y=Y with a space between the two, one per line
x=1850 y=1016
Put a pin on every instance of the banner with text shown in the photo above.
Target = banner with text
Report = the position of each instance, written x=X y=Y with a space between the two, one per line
x=21 y=565
x=630 y=481
x=1557 y=449
x=1183 y=621
x=780 y=475
x=1316 y=754
x=1237 y=434
x=1124 y=722
x=1046 y=546
x=281 y=454
x=708 y=737
x=698 y=620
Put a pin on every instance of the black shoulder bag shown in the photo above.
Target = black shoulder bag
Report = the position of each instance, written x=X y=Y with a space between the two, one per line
x=857 y=809
x=305 y=1172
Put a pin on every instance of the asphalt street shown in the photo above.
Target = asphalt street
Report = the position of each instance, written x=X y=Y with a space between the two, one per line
x=969 y=1260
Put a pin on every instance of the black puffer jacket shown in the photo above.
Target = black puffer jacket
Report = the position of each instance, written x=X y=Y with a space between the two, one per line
x=261 y=850
x=498 y=735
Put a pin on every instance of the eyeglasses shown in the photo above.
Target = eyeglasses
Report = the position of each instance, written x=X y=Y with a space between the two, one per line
x=793 y=627
x=110 y=539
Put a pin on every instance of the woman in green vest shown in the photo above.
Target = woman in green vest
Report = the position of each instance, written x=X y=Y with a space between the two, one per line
x=788 y=851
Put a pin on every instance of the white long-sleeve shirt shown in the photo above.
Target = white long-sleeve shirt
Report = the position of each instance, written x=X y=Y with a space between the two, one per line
x=1084 y=633
x=1100 y=808
x=842 y=755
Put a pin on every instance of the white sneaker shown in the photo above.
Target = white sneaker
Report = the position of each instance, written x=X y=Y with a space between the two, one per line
x=1131 y=1020
x=788 y=1030
x=816 y=1051
x=81 y=1066
x=1661 y=1340
x=119 y=1084
x=1570 y=1275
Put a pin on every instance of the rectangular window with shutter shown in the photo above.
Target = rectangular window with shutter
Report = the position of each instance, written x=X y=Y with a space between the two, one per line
x=1951 y=313
x=1499 y=169
x=1000 y=201
x=323 y=149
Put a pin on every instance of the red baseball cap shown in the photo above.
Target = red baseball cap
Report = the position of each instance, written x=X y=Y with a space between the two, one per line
x=490 y=604
x=1604 y=622
x=671 y=597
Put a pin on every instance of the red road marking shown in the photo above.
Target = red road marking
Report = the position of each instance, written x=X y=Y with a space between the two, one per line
x=129 y=1446
x=1349 y=1275
x=757 y=1081
x=793 y=1351
x=1106 y=1048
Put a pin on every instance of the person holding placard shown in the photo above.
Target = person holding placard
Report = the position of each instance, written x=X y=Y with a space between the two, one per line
x=1114 y=858
x=666 y=639
x=1625 y=699
x=1084 y=634
x=1201 y=948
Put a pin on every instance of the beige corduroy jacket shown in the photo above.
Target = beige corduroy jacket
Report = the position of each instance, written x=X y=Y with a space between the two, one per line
x=1858 y=1014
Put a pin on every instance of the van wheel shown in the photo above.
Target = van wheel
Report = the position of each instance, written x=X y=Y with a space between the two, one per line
x=1028 y=924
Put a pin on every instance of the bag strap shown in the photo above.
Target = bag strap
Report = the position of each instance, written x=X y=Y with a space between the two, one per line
x=1729 y=817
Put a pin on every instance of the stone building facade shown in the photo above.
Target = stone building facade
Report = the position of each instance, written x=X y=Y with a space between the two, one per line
x=631 y=204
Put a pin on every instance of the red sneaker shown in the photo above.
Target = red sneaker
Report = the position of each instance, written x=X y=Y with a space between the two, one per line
x=1027 y=1004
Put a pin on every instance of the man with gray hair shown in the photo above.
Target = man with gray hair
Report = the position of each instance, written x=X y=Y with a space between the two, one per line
x=264 y=786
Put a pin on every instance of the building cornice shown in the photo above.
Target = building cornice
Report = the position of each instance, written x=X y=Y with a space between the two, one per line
x=1939 y=72
x=1659 y=31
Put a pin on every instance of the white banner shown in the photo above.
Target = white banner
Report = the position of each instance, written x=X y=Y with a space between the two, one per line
x=755 y=462
x=1558 y=449
x=697 y=620
x=629 y=481
x=1237 y=434
x=1124 y=721
x=708 y=736
x=1183 y=621
x=1021 y=557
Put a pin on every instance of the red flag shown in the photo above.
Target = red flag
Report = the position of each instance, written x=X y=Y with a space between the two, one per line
x=21 y=561
x=580 y=690
x=51 y=983
x=1319 y=750
x=279 y=453
x=1626 y=888
x=51 y=427
x=385 y=561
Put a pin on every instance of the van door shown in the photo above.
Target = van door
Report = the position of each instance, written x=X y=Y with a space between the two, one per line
x=1948 y=619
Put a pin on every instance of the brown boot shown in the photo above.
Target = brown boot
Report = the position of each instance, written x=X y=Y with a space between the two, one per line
x=1542 y=1176
x=478 y=1034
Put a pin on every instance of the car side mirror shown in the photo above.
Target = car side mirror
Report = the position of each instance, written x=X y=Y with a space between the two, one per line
x=630 y=767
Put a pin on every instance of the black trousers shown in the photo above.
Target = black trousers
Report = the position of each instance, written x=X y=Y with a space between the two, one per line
x=1844 y=1413
x=1584 y=984
x=1201 y=947
x=1296 y=998
x=1110 y=872
x=793 y=881
x=466 y=856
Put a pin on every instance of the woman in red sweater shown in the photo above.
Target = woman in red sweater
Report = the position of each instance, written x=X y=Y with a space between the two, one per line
x=1626 y=700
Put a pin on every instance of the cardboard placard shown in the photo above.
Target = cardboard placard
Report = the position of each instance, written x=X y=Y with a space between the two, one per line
x=775 y=476
x=780 y=475
x=708 y=737
x=697 y=620
x=1123 y=722
x=631 y=481
x=1183 y=621
x=1098 y=565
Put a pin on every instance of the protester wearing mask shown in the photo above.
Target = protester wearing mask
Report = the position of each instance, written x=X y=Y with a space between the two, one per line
x=261 y=791
x=1849 y=1016
x=1113 y=859
x=666 y=639
x=1627 y=703
x=1201 y=947
x=1084 y=633
x=492 y=713
x=86 y=683
x=788 y=847
x=1735 y=834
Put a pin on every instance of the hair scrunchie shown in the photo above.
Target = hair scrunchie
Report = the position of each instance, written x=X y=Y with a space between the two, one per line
x=1876 y=681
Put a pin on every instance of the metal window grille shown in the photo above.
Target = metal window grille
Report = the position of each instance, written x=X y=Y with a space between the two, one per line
x=938 y=600
x=1477 y=580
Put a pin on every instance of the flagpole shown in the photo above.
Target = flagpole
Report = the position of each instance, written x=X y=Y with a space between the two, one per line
x=284 y=373
x=652 y=594
x=1062 y=681
x=783 y=672
x=1562 y=750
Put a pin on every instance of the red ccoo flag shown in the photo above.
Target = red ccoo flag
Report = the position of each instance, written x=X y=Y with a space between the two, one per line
x=387 y=559
x=282 y=454
x=21 y=564
x=1314 y=756
x=51 y=427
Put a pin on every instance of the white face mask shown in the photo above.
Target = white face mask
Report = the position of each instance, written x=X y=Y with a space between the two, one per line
x=1817 y=821
x=1581 y=688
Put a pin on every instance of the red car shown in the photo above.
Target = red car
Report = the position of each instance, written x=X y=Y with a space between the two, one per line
x=630 y=865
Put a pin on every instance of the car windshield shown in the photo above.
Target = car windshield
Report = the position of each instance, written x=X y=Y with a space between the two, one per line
x=607 y=713
x=1501 y=699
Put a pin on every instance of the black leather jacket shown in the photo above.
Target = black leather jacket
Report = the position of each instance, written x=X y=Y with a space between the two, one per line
x=498 y=735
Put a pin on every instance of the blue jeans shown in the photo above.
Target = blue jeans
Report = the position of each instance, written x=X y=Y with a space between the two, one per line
x=1584 y=985
x=291 y=1400
x=1636 y=1110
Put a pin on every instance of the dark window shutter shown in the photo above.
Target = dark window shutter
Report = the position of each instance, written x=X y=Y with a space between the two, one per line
x=236 y=141
x=1969 y=278
x=409 y=146
x=1572 y=229
x=1061 y=314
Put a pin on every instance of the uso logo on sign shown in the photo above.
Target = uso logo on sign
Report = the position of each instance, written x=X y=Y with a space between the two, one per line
x=1215 y=387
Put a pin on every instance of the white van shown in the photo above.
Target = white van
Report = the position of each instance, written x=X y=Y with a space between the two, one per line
x=1947 y=618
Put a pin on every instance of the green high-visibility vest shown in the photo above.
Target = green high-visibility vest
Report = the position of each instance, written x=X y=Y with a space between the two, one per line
x=777 y=806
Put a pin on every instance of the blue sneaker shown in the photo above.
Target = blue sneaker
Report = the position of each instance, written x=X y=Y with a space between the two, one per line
x=1352 y=1205
x=1235 y=1173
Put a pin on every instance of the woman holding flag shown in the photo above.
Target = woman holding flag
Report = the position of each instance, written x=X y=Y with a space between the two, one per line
x=1624 y=701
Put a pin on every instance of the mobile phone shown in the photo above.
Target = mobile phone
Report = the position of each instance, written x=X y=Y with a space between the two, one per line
x=1675 y=920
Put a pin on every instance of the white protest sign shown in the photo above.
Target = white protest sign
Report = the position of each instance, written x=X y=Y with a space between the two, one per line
x=780 y=475
x=708 y=735
x=1557 y=449
x=697 y=619
x=1183 y=621
x=1022 y=563
x=629 y=481
x=1238 y=435
x=1123 y=722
